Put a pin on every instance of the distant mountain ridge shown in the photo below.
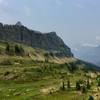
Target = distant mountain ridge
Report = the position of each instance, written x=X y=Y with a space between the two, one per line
x=90 y=54
x=21 y=34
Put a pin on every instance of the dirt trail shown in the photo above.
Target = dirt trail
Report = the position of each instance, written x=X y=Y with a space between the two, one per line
x=50 y=89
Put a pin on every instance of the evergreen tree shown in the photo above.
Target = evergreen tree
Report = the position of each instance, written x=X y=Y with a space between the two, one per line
x=78 y=87
x=17 y=49
x=68 y=84
x=10 y=49
x=7 y=48
x=88 y=84
x=91 y=98
x=99 y=82
x=63 y=85
x=22 y=52
x=83 y=89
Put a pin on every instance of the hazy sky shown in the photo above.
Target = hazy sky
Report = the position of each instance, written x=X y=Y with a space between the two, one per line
x=76 y=21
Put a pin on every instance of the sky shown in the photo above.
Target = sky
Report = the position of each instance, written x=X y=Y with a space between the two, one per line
x=77 y=22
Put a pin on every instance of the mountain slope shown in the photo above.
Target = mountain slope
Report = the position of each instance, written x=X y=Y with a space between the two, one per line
x=37 y=73
x=47 y=41
x=41 y=74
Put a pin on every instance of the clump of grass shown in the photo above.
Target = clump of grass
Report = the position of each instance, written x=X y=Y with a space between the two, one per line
x=6 y=62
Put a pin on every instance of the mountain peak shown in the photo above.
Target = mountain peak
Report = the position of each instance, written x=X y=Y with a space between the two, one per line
x=19 y=23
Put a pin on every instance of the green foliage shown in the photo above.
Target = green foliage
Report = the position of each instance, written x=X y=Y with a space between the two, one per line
x=63 y=86
x=6 y=73
x=16 y=49
x=24 y=78
x=68 y=84
x=71 y=66
x=6 y=62
x=51 y=54
x=7 y=47
x=84 y=90
x=91 y=97
x=81 y=81
x=78 y=87
x=46 y=54
x=88 y=84
x=19 y=50
x=98 y=80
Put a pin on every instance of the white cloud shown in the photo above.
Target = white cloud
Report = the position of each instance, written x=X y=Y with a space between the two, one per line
x=89 y=45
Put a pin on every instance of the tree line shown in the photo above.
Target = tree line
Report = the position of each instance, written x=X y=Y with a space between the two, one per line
x=14 y=49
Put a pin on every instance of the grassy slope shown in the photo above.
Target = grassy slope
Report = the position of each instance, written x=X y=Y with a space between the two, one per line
x=28 y=78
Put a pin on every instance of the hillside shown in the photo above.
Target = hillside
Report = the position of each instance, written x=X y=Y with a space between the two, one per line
x=47 y=41
x=37 y=66
x=38 y=75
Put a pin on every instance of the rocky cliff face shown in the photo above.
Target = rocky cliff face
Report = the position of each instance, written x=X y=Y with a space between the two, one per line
x=48 y=41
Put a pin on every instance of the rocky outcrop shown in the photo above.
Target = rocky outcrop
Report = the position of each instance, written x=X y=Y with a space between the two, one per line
x=48 y=41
